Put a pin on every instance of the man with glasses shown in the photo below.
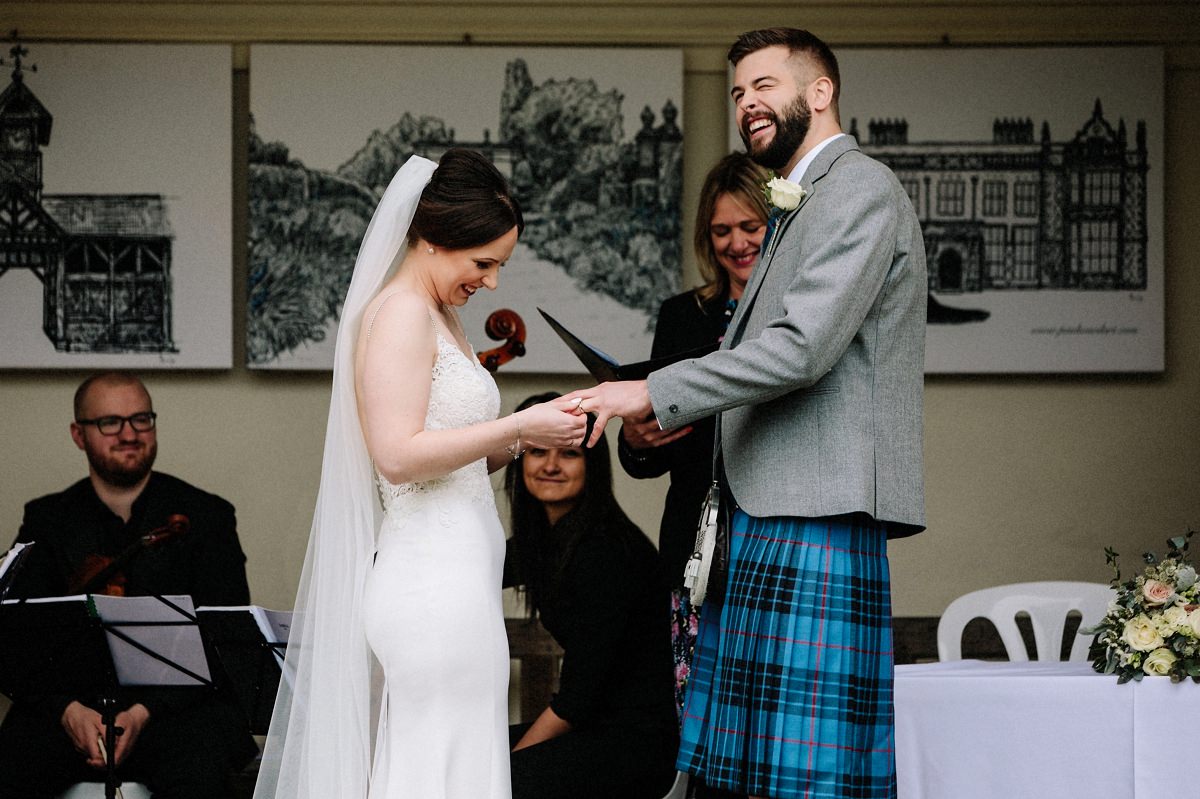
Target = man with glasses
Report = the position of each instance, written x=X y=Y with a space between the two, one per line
x=179 y=742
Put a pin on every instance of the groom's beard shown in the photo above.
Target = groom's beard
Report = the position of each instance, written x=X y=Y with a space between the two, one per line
x=790 y=129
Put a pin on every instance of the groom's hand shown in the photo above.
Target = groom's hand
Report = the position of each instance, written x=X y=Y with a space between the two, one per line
x=629 y=399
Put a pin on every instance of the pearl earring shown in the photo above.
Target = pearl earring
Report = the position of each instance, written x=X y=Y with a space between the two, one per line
x=429 y=250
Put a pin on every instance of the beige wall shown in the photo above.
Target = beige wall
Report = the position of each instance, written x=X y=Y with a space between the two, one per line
x=1028 y=477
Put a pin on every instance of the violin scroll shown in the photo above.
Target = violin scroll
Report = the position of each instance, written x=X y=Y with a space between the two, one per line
x=508 y=326
x=177 y=524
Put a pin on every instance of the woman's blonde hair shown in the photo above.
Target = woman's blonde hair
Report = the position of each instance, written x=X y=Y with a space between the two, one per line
x=737 y=175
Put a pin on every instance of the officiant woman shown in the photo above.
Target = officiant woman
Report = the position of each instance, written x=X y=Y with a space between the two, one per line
x=731 y=220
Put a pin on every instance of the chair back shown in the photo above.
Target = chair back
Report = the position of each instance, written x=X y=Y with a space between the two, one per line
x=1046 y=603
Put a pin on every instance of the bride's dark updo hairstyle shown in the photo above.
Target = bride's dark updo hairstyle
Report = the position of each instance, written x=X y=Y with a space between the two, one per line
x=467 y=203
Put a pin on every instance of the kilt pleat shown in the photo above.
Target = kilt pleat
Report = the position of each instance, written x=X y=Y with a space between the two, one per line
x=791 y=684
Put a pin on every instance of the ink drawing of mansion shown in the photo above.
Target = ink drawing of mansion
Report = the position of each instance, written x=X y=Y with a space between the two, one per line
x=1025 y=214
x=104 y=260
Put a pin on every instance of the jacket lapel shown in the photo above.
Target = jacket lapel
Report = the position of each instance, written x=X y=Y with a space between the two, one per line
x=812 y=176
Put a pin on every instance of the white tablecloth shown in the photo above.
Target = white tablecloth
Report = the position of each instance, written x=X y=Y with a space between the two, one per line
x=974 y=730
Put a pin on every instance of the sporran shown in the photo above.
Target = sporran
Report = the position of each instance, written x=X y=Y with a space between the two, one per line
x=705 y=573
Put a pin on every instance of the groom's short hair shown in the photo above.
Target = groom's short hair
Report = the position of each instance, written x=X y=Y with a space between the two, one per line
x=797 y=41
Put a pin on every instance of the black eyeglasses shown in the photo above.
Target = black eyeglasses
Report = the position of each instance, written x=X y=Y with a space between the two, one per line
x=112 y=425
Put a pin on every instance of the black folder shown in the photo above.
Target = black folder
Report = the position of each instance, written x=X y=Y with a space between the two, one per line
x=605 y=368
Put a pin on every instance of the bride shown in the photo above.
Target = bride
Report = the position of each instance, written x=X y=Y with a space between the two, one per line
x=412 y=422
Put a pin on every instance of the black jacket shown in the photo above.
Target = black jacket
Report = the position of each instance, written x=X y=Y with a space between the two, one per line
x=206 y=562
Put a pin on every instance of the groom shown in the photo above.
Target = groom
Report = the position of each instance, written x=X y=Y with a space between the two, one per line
x=818 y=387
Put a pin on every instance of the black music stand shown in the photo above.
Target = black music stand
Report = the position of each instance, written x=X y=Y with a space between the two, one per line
x=249 y=658
x=69 y=645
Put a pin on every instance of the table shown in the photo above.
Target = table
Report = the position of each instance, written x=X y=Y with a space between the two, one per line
x=976 y=730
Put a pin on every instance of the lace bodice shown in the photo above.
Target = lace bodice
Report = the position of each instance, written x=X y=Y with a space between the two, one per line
x=462 y=393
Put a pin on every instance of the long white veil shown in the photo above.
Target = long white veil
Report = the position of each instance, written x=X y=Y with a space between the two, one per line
x=319 y=743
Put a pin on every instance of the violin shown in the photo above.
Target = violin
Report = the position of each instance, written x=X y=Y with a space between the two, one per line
x=104 y=574
x=508 y=326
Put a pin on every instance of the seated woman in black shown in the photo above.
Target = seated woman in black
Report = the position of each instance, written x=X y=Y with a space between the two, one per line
x=594 y=579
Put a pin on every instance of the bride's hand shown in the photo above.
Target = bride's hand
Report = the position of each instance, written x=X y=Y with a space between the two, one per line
x=552 y=425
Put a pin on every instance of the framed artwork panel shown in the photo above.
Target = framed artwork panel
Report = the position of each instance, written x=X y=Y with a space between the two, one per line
x=589 y=138
x=115 y=225
x=1037 y=174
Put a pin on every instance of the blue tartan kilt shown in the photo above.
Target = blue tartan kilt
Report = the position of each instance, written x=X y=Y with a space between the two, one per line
x=791 y=684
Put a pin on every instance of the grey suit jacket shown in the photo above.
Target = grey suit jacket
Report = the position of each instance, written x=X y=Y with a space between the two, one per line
x=819 y=380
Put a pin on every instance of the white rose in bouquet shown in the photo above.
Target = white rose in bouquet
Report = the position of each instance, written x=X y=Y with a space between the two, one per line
x=1141 y=633
x=1158 y=663
x=1175 y=620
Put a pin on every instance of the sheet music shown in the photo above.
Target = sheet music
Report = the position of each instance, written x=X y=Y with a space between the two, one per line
x=11 y=565
x=10 y=559
x=40 y=599
x=179 y=641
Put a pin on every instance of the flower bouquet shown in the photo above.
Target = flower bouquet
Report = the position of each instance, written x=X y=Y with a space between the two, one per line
x=1153 y=625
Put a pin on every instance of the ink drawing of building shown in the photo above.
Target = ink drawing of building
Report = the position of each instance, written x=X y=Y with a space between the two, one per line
x=1026 y=212
x=104 y=260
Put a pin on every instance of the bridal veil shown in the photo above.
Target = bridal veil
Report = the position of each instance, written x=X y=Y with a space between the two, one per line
x=319 y=742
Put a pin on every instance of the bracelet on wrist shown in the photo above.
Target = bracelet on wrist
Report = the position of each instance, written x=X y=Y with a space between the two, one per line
x=514 y=451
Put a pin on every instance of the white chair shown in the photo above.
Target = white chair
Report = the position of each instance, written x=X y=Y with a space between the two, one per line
x=1047 y=604
x=95 y=790
x=679 y=789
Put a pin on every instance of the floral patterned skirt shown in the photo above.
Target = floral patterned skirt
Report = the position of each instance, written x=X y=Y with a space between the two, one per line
x=685 y=623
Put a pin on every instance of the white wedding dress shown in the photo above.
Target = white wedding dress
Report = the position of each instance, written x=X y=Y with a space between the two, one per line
x=433 y=615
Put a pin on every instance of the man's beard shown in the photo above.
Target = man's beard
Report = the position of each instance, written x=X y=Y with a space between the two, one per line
x=790 y=129
x=118 y=473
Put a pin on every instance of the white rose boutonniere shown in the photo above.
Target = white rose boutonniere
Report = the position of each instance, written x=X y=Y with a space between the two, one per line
x=783 y=194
